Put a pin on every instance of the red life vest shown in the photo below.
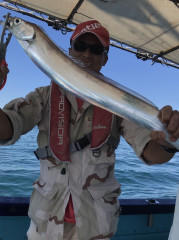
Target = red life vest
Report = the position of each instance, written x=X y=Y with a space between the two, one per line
x=60 y=125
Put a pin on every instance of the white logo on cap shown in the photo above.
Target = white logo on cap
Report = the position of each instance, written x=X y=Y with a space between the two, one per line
x=90 y=27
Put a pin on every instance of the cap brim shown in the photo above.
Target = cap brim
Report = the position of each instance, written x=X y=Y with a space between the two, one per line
x=79 y=34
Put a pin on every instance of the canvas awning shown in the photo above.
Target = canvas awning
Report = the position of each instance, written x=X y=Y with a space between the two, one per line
x=146 y=25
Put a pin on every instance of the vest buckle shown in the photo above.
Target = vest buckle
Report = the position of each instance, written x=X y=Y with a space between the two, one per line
x=97 y=152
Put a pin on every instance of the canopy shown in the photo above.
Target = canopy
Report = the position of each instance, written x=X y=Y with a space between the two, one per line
x=150 y=26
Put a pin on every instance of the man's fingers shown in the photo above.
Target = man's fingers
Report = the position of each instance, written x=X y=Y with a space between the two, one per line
x=175 y=132
x=165 y=114
x=171 y=118
x=3 y=73
x=4 y=70
x=173 y=126
x=174 y=122
x=157 y=135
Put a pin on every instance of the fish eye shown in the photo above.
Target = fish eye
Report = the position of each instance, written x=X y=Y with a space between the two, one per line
x=17 y=21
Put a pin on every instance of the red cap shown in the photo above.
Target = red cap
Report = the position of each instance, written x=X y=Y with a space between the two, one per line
x=95 y=28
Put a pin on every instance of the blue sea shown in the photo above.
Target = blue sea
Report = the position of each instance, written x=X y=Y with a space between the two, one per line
x=19 y=168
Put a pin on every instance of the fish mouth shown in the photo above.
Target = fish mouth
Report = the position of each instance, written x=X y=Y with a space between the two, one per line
x=13 y=23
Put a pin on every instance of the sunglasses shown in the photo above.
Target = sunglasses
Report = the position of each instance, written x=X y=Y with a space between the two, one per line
x=96 y=49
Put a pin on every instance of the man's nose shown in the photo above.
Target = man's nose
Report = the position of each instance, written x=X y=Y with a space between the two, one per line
x=87 y=52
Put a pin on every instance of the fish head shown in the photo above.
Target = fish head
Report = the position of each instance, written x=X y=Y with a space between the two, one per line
x=21 y=29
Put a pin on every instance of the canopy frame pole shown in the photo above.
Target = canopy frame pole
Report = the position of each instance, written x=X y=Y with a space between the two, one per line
x=74 y=11
x=162 y=53
x=61 y=24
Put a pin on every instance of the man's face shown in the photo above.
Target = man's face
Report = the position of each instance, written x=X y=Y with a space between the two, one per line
x=94 y=61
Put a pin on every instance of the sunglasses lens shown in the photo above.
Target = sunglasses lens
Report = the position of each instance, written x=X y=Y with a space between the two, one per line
x=80 y=46
x=94 y=48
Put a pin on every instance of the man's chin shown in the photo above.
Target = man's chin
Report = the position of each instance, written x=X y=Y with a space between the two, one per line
x=88 y=67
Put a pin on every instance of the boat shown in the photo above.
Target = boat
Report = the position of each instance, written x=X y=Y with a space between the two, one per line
x=140 y=219
x=150 y=30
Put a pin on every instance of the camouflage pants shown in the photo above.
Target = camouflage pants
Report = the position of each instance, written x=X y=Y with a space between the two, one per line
x=70 y=232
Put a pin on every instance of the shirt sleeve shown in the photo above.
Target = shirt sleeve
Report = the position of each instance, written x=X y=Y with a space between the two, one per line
x=136 y=136
x=24 y=114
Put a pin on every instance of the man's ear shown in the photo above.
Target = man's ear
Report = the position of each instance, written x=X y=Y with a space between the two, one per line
x=105 y=58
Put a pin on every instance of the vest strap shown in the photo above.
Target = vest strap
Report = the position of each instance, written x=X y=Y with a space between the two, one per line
x=114 y=142
x=81 y=143
x=46 y=152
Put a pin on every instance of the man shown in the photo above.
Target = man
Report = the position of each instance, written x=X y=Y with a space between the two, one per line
x=76 y=195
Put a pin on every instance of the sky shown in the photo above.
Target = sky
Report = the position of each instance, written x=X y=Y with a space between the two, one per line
x=158 y=83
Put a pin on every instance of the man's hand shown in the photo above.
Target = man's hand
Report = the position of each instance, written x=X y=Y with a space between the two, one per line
x=154 y=152
x=3 y=74
x=169 y=117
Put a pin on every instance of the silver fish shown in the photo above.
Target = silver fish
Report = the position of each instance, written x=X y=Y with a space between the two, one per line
x=90 y=86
